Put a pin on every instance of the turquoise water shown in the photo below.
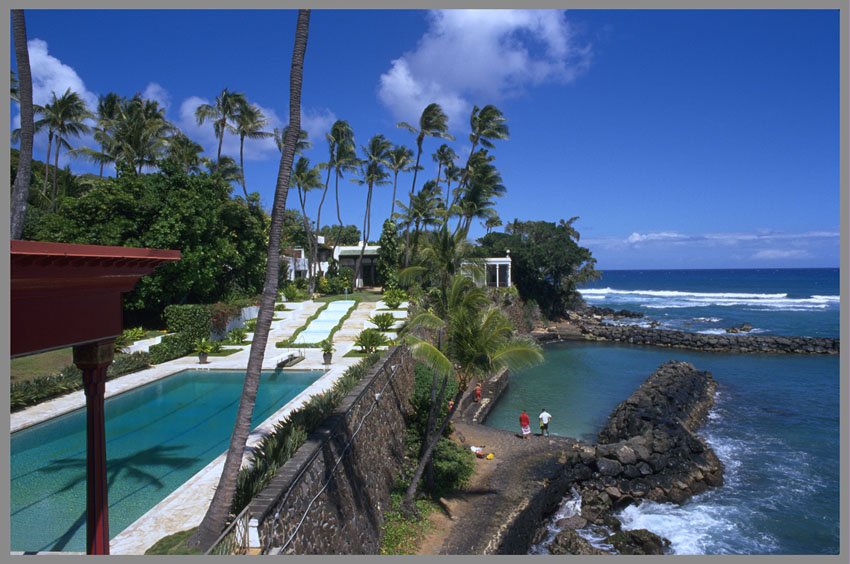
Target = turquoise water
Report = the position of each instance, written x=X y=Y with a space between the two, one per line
x=775 y=424
x=319 y=329
x=157 y=437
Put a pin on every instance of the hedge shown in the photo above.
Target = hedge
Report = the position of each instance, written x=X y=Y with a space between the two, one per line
x=171 y=347
x=193 y=320
x=70 y=379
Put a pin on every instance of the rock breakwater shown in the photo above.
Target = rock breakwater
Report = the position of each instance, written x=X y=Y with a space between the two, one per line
x=647 y=450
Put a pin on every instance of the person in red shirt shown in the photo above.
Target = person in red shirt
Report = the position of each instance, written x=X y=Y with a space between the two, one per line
x=525 y=424
x=478 y=391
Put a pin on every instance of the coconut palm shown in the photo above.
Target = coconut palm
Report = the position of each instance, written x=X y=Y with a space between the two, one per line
x=434 y=123
x=301 y=144
x=249 y=122
x=486 y=125
x=108 y=111
x=479 y=340
x=484 y=184
x=344 y=159
x=64 y=117
x=399 y=161
x=22 y=93
x=445 y=156
x=422 y=213
x=306 y=178
x=216 y=516
x=184 y=152
x=372 y=173
x=226 y=168
x=492 y=221
x=140 y=134
x=225 y=109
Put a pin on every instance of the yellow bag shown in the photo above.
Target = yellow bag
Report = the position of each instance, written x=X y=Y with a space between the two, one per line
x=491 y=456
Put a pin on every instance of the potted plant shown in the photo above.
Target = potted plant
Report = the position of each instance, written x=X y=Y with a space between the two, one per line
x=203 y=347
x=327 y=350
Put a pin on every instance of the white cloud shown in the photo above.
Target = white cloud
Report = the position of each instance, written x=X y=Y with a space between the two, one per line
x=154 y=91
x=317 y=122
x=662 y=236
x=49 y=74
x=478 y=57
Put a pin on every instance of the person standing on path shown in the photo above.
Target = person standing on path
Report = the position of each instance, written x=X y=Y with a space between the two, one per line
x=478 y=391
x=524 y=424
x=545 y=417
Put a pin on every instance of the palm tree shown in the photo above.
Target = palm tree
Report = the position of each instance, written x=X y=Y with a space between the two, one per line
x=344 y=159
x=108 y=111
x=399 y=161
x=184 y=152
x=422 y=213
x=249 y=122
x=445 y=156
x=225 y=108
x=140 y=133
x=305 y=178
x=22 y=90
x=301 y=144
x=216 y=516
x=486 y=125
x=226 y=168
x=372 y=174
x=433 y=122
x=64 y=117
x=492 y=221
x=478 y=341
x=484 y=184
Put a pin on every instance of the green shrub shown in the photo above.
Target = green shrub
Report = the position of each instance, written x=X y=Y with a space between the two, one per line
x=69 y=379
x=394 y=297
x=384 y=321
x=241 y=303
x=171 y=347
x=221 y=314
x=236 y=335
x=421 y=401
x=301 y=283
x=453 y=466
x=281 y=307
x=128 y=337
x=193 y=320
x=370 y=339
x=251 y=325
x=290 y=292
x=323 y=285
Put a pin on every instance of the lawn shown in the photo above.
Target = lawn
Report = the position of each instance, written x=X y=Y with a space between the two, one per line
x=363 y=296
x=28 y=367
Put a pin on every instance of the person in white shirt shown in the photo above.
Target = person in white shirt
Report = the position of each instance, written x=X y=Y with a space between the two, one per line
x=545 y=417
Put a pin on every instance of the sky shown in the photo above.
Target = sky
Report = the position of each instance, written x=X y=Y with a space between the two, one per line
x=681 y=139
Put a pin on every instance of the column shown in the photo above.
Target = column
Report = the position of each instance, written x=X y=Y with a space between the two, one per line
x=93 y=359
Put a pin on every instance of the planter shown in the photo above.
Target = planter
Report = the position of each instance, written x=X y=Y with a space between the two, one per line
x=327 y=357
x=202 y=358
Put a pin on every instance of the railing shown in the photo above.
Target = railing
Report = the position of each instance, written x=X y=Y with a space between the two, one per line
x=235 y=540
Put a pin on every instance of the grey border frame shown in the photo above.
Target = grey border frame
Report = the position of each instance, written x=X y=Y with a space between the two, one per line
x=844 y=19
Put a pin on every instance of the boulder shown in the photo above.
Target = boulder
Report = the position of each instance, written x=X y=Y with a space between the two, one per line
x=569 y=542
x=572 y=522
x=608 y=467
x=638 y=541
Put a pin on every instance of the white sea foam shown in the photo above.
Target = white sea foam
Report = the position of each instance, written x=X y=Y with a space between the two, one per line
x=673 y=299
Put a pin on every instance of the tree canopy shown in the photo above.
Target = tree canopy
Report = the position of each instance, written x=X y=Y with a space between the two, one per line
x=547 y=261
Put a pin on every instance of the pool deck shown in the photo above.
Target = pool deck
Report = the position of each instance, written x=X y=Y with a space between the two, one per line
x=185 y=507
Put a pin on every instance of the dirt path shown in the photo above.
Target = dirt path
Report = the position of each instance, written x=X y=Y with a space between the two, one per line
x=473 y=517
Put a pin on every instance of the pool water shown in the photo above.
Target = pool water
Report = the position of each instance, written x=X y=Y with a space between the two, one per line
x=157 y=437
x=319 y=329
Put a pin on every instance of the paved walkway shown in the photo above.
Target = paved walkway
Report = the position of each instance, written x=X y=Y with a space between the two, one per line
x=185 y=507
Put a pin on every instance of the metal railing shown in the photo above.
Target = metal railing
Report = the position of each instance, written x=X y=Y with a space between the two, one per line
x=235 y=538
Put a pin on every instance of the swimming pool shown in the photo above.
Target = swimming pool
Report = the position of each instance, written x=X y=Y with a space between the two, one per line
x=158 y=436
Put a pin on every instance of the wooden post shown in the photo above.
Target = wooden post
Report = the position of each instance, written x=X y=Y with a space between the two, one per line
x=93 y=359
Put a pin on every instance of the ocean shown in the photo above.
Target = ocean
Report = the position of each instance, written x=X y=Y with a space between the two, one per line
x=775 y=423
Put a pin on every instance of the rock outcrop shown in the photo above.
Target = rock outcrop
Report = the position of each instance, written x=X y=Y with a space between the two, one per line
x=647 y=450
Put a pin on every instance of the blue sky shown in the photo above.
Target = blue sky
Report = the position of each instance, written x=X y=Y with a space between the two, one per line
x=682 y=139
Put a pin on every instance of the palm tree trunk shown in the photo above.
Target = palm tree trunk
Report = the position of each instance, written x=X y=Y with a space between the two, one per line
x=302 y=199
x=242 y=164
x=47 y=163
x=216 y=516
x=338 y=214
x=21 y=189
x=408 y=505
x=56 y=173
x=359 y=265
x=395 y=183
x=315 y=257
x=220 y=141
x=410 y=202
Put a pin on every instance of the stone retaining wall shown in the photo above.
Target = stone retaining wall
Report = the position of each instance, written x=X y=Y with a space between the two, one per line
x=722 y=343
x=367 y=437
x=492 y=387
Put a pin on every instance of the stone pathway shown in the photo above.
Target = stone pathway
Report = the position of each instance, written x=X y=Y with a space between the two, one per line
x=474 y=519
